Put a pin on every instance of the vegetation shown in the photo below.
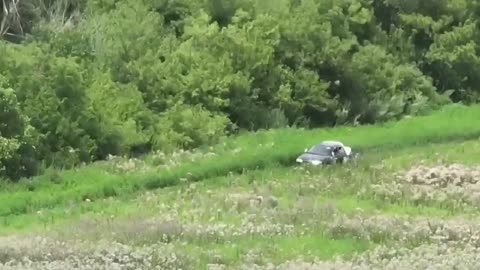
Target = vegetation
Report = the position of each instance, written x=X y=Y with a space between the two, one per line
x=153 y=90
x=371 y=213
x=234 y=155
x=80 y=80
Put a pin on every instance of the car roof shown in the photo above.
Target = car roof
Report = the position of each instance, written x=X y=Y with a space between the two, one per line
x=332 y=143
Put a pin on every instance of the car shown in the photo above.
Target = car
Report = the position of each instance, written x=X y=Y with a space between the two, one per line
x=327 y=152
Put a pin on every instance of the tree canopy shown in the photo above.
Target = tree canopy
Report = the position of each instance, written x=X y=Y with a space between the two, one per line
x=80 y=80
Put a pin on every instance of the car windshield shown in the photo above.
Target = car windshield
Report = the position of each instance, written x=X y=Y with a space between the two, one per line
x=321 y=149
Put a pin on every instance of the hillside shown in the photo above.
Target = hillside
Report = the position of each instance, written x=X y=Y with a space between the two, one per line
x=413 y=194
x=124 y=177
x=162 y=134
x=399 y=208
x=80 y=80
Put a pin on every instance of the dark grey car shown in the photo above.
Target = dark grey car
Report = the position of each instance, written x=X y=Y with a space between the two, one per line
x=327 y=152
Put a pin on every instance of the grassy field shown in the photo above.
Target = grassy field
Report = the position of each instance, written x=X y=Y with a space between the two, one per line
x=246 y=152
x=403 y=206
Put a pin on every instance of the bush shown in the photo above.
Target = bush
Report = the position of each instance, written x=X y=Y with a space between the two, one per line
x=98 y=77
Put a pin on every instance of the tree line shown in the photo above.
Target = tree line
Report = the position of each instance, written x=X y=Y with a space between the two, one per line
x=80 y=80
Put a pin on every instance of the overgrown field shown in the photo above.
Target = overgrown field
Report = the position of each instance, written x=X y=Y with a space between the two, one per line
x=250 y=151
x=404 y=207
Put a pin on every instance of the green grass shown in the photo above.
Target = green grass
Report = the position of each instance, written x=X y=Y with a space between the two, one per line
x=306 y=196
x=343 y=182
x=257 y=150
x=280 y=248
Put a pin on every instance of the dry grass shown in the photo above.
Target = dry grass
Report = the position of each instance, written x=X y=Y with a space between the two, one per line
x=453 y=184
x=436 y=256
x=435 y=242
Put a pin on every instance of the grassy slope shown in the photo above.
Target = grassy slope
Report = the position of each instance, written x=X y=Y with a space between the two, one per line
x=304 y=199
x=228 y=231
x=252 y=151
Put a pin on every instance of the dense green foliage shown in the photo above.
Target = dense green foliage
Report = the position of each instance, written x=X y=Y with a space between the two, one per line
x=83 y=79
